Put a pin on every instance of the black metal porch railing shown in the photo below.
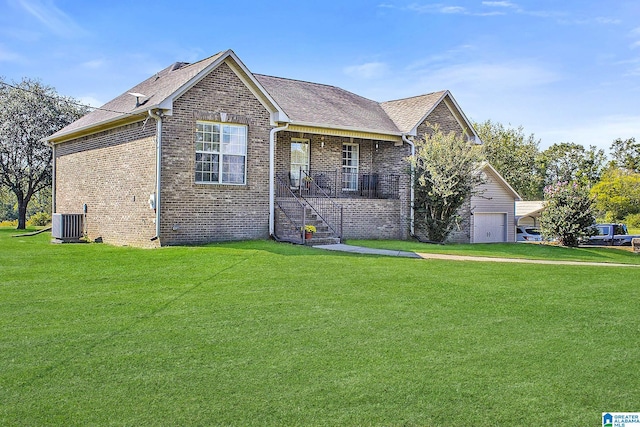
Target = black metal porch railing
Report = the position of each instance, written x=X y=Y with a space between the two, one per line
x=338 y=184
x=293 y=210
x=327 y=210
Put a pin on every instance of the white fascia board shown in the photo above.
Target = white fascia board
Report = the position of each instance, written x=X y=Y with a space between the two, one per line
x=345 y=128
x=96 y=127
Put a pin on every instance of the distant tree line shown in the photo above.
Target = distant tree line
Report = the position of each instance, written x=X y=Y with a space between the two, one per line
x=612 y=182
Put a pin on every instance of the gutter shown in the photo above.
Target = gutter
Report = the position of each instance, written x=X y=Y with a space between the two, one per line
x=156 y=200
x=53 y=179
x=272 y=177
x=412 y=192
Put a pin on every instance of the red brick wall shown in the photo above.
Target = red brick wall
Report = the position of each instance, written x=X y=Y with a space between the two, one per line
x=198 y=213
x=113 y=173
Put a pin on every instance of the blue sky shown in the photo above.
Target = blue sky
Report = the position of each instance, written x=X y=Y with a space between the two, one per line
x=567 y=71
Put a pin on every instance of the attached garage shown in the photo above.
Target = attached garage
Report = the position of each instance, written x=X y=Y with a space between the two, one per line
x=493 y=210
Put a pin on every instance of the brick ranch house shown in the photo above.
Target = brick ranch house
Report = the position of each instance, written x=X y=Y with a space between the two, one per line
x=210 y=151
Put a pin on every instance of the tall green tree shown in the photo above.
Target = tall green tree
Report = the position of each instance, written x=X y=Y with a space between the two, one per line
x=626 y=154
x=570 y=162
x=446 y=173
x=514 y=155
x=29 y=112
x=617 y=195
x=568 y=215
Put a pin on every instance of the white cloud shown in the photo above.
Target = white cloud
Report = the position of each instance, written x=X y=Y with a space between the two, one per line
x=499 y=4
x=635 y=45
x=607 y=21
x=94 y=64
x=453 y=9
x=492 y=76
x=454 y=54
x=600 y=131
x=447 y=10
x=51 y=17
x=370 y=70
x=90 y=100
x=10 y=56
x=436 y=8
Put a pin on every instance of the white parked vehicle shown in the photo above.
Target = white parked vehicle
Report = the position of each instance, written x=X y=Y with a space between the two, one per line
x=528 y=234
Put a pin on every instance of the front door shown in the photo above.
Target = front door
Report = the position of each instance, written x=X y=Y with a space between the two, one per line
x=299 y=160
x=350 y=157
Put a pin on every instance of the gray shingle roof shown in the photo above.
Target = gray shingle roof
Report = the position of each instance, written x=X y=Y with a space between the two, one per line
x=303 y=102
x=409 y=112
x=157 y=88
x=327 y=105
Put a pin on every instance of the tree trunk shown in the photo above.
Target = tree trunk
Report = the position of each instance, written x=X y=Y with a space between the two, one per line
x=22 y=213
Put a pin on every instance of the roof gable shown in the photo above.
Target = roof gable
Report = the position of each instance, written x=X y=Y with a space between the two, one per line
x=159 y=91
x=487 y=168
x=290 y=101
x=409 y=113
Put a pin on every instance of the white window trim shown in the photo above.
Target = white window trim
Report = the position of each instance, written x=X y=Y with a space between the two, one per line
x=221 y=154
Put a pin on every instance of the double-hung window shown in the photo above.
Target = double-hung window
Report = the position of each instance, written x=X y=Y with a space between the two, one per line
x=221 y=153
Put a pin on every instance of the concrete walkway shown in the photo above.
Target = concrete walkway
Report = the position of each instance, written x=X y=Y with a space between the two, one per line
x=369 y=251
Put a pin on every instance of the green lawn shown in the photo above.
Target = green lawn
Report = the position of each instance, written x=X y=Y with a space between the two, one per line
x=260 y=333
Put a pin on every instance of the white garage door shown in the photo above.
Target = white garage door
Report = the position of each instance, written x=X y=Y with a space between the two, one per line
x=489 y=227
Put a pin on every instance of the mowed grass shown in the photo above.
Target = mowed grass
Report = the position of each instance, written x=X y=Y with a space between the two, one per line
x=260 y=333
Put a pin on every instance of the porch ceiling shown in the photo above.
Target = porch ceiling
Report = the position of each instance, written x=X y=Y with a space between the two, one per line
x=353 y=133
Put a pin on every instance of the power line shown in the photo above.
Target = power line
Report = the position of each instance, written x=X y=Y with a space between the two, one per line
x=69 y=101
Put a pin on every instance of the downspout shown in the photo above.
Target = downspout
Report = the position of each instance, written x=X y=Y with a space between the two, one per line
x=412 y=191
x=158 y=118
x=272 y=176
x=53 y=179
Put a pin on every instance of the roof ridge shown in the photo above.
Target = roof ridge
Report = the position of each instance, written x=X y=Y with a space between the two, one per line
x=415 y=96
x=298 y=80
x=318 y=84
x=189 y=64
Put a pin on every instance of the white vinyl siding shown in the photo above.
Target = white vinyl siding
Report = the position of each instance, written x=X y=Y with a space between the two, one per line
x=496 y=200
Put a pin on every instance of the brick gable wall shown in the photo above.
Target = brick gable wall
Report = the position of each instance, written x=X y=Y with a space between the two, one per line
x=198 y=213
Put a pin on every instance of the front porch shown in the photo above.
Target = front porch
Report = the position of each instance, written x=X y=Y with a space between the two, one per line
x=338 y=184
x=344 y=186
